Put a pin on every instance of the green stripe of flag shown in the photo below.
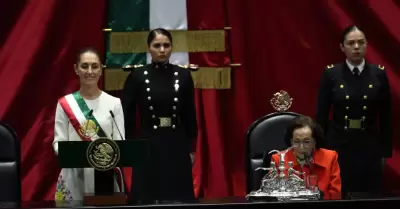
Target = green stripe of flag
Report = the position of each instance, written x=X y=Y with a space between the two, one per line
x=126 y=15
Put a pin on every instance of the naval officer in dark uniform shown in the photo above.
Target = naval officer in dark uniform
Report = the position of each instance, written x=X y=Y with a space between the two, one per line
x=164 y=95
x=360 y=129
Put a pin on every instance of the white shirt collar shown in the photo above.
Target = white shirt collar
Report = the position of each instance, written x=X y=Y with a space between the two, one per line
x=360 y=66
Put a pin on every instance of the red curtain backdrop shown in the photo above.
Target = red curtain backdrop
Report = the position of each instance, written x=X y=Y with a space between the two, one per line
x=281 y=44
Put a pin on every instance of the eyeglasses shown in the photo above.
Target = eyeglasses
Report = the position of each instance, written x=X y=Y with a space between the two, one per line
x=304 y=143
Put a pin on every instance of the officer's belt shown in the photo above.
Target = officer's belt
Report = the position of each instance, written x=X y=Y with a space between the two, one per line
x=162 y=122
x=355 y=123
x=165 y=122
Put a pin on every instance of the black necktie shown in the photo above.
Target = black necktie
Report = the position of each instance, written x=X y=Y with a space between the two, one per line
x=356 y=71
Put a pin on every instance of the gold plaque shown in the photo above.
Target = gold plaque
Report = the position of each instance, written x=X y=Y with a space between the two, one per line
x=281 y=101
x=103 y=154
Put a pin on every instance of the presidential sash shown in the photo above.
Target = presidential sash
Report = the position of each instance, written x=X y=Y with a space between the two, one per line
x=77 y=111
x=85 y=125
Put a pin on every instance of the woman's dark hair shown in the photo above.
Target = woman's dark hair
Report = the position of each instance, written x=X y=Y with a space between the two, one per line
x=153 y=33
x=347 y=30
x=83 y=51
x=301 y=122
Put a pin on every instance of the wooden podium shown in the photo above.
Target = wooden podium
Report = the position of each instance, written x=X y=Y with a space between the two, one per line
x=103 y=155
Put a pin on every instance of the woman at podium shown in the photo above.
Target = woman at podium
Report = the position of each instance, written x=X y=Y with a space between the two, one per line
x=164 y=95
x=85 y=116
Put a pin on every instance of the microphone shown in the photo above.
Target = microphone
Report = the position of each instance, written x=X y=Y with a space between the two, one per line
x=116 y=125
x=310 y=157
x=87 y=122
x=310 y=160
x=90 y=113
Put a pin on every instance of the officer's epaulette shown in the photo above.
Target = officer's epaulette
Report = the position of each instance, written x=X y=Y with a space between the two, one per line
x=330 y=66
x=130 y=67
x=192 y=67
x=133 y=66
x=381 y=67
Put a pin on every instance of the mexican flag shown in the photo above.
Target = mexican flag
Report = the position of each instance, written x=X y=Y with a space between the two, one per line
x=145 y=15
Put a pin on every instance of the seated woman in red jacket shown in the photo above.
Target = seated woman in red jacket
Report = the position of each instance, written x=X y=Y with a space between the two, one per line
x=306 y=137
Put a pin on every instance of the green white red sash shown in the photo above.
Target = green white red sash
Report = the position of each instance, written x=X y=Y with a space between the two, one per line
x=77 y=112
x=87 y=127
